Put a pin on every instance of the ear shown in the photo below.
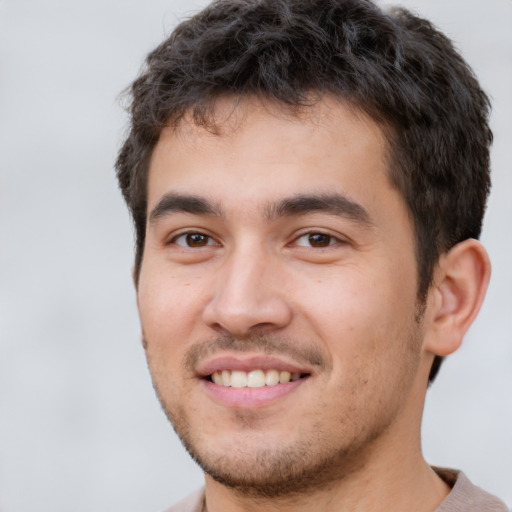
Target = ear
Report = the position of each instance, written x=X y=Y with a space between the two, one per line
x=460 y=283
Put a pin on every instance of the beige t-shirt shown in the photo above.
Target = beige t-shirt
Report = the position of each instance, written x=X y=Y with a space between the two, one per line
x=464 y=497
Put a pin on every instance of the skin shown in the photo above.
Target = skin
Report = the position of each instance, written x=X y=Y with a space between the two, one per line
x=331 y=292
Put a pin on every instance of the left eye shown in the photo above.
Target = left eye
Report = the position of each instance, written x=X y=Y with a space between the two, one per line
x=193 y=240
x=316 y=240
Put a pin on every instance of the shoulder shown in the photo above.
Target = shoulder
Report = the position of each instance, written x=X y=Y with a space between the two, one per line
x=192 y=503
x=466 y=497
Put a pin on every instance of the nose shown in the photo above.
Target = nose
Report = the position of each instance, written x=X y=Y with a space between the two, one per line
x=248 y=296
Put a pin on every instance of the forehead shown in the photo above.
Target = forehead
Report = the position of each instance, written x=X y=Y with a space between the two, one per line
x=260 y=148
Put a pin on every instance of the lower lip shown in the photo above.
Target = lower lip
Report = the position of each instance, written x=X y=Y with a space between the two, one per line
x=244 y=398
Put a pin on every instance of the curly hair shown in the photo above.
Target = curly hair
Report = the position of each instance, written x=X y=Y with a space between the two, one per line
x=393 y=65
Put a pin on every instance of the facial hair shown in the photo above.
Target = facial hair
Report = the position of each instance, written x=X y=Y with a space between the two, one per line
x=277 y=472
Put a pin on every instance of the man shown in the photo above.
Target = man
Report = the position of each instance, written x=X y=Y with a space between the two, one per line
x=307 y=180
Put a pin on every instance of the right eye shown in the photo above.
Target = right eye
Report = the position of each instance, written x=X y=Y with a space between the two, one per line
x=193 y=240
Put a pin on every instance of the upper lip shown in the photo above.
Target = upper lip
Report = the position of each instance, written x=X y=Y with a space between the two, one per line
x=248 y=363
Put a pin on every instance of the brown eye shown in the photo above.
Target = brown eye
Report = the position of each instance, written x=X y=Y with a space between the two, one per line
x=197 y=240
x=319 y=240
x=193 y=240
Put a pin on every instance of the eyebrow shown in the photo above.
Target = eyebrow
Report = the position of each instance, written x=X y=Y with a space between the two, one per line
x=334 y=204
x=182 y=203
x=302 y=204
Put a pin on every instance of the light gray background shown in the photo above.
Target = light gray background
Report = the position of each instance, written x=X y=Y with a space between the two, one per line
x=80 y=427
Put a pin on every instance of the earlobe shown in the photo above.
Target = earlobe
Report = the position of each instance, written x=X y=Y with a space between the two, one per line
x=460 y=283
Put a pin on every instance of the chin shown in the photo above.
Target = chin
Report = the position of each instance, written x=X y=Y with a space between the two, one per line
x=270 y=473
x=258 y=466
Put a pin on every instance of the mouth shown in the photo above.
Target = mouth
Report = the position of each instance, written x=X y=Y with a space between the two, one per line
x=251 y=381
x=257 y=378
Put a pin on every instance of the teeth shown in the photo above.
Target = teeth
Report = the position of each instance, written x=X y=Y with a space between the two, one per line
x=238 y=379
x=256 y=379
x=284 y=377
x=226 y=378
x=253 y=379
x=272 y=378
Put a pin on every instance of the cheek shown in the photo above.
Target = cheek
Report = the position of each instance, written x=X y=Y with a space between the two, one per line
x=166 y=302
x=167 y=312
x=363 y=319
x=345 y=302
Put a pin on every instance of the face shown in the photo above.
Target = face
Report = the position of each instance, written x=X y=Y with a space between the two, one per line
x=277 y=294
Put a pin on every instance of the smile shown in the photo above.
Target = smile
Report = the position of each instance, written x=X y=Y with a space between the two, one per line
x=254 y=378
x=244 y=381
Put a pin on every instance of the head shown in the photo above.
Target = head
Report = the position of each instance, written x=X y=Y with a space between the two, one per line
x=393 y=66
x=244 y=94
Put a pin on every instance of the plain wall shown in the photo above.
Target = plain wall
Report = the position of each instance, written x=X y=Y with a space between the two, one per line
x=80 y=427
